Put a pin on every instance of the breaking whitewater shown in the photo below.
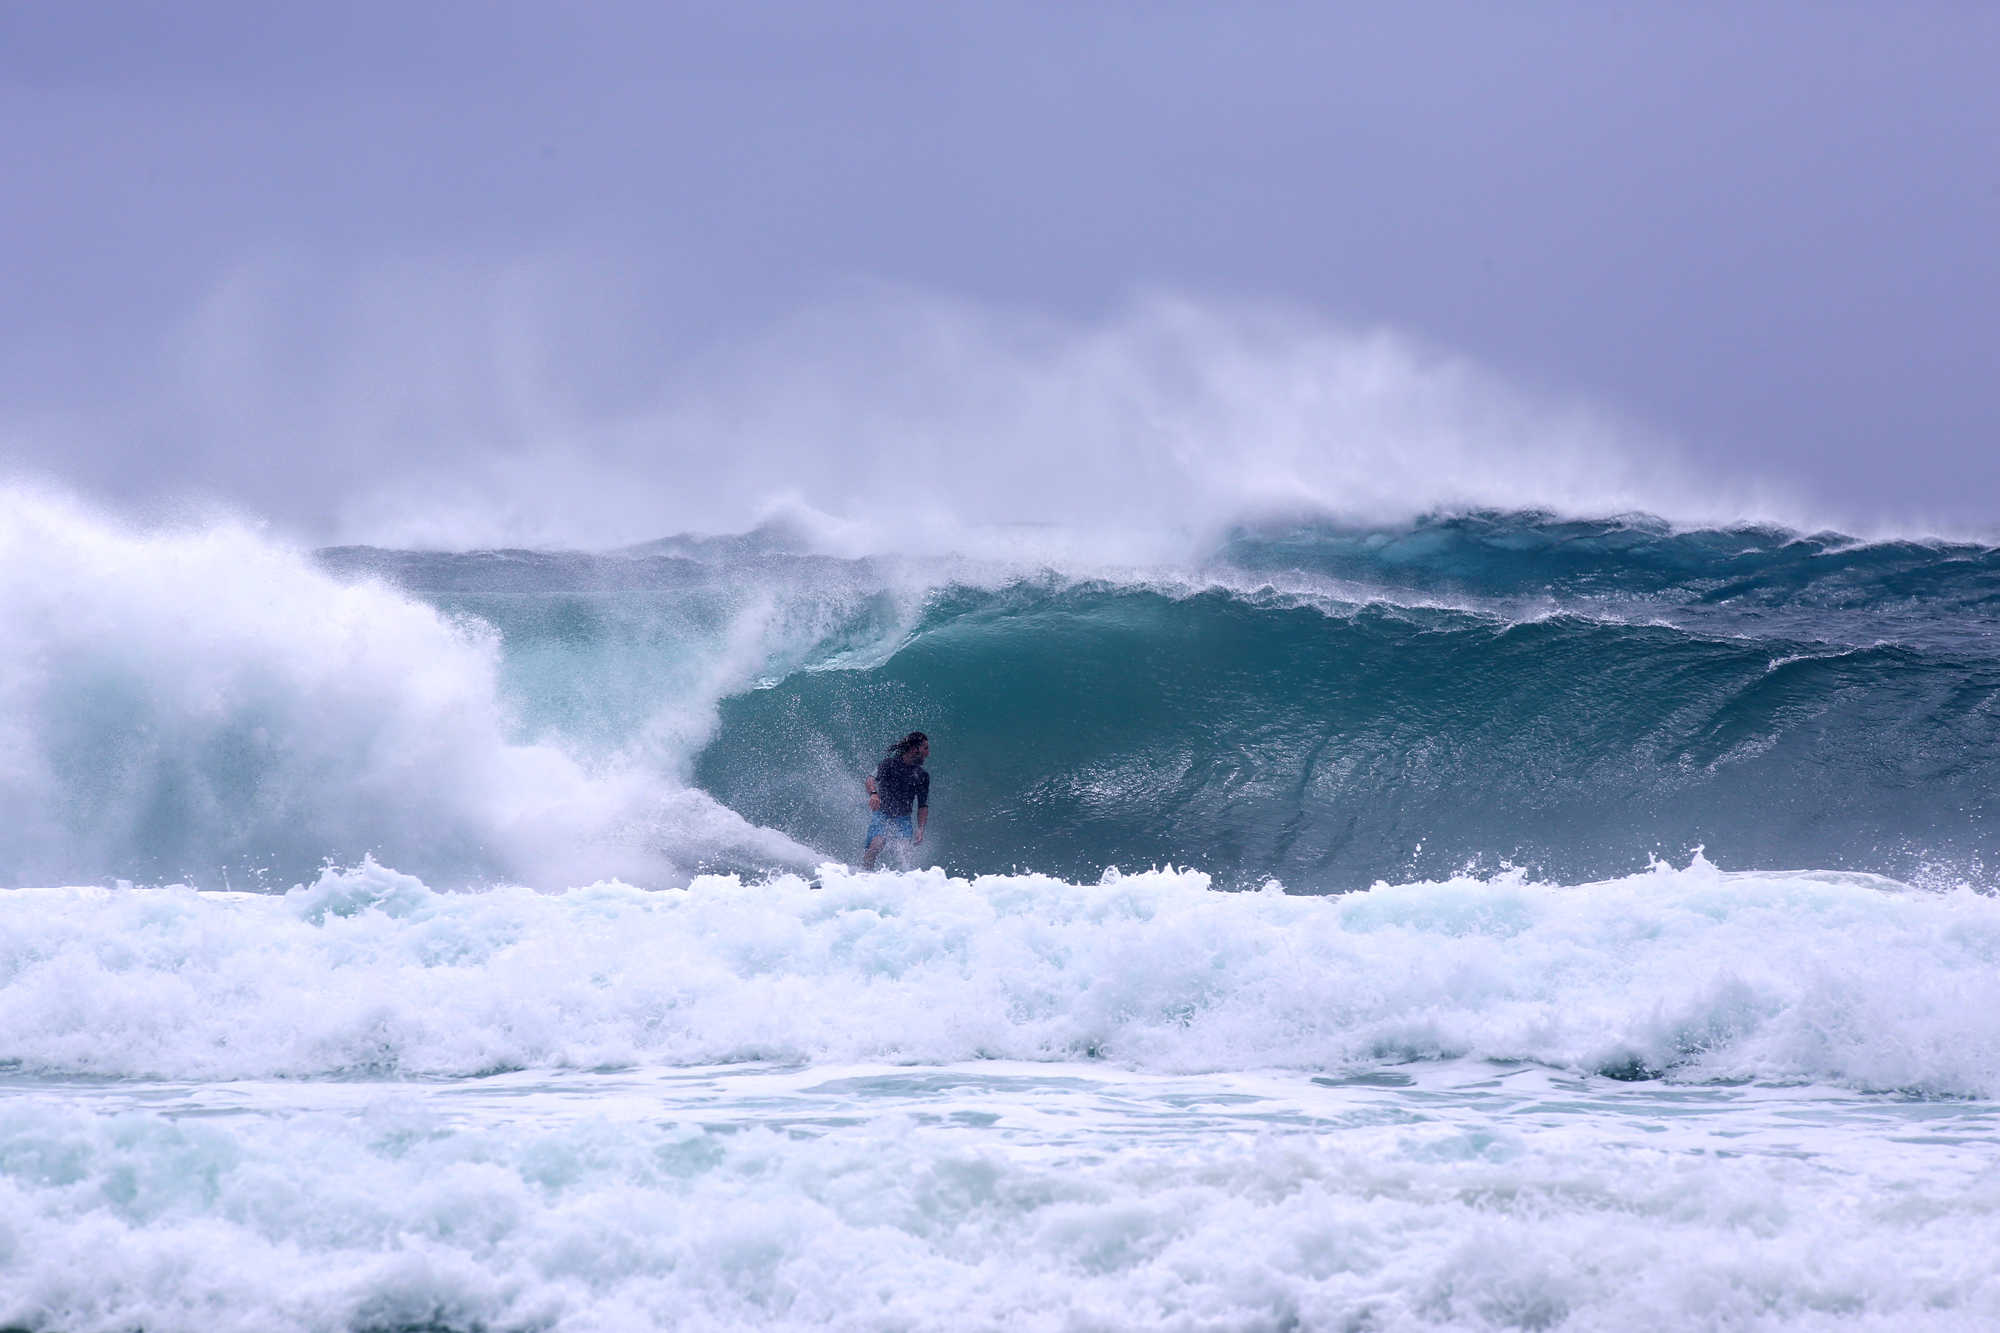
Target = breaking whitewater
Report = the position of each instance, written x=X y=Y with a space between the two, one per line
x=1494 y=921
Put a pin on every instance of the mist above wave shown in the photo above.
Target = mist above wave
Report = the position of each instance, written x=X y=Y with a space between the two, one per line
x=881 y=420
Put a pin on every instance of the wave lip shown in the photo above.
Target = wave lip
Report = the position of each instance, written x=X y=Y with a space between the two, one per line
x=1633 y=557
x=1691 y=974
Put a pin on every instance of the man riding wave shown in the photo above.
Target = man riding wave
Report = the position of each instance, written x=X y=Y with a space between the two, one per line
x=899 y=785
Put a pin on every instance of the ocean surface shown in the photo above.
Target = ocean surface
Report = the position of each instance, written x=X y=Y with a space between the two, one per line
x=1491 y=921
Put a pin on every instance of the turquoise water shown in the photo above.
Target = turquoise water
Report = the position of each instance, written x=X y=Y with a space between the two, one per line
x=1322 y=706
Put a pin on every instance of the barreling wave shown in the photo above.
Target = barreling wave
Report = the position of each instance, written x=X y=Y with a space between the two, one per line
x=1331 y=708
x=1325 y=706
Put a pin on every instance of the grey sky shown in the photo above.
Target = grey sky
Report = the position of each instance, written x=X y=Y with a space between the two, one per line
x=1771 y=233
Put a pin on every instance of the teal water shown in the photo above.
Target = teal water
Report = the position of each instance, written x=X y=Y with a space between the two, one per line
x=1325 y=707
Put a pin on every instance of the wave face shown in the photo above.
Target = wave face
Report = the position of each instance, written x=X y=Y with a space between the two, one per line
x=1324 y=706
x=1260 y=738
x=1331 y=708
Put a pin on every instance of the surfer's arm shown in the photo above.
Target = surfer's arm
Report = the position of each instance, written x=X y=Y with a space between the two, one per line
x=923 y=818
x=874 y=797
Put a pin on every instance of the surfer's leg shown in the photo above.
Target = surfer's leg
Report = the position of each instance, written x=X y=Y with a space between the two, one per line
x=873 y=850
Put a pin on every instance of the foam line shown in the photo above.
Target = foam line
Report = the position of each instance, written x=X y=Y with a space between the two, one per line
x=1690 y=973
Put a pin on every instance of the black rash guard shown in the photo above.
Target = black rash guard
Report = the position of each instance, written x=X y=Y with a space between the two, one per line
x=901 y=786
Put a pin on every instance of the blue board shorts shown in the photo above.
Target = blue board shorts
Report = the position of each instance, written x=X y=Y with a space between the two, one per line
x=897 y=825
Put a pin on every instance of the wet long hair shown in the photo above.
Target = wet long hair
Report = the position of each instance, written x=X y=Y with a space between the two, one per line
x=899 y=749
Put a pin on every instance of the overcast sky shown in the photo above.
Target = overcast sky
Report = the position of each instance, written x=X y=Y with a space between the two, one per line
x=1769 y=234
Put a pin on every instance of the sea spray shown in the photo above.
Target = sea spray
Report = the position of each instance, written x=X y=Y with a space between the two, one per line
x=205 y=705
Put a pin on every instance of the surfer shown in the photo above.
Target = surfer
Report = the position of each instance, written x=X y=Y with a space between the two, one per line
x=899 y=784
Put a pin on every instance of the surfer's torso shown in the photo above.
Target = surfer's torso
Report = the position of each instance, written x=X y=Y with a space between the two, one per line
x=902 y=787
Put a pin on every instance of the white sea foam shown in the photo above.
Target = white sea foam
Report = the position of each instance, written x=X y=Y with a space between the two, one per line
x=1488 y=1199
x=1689 y=971
x=888 y=1172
